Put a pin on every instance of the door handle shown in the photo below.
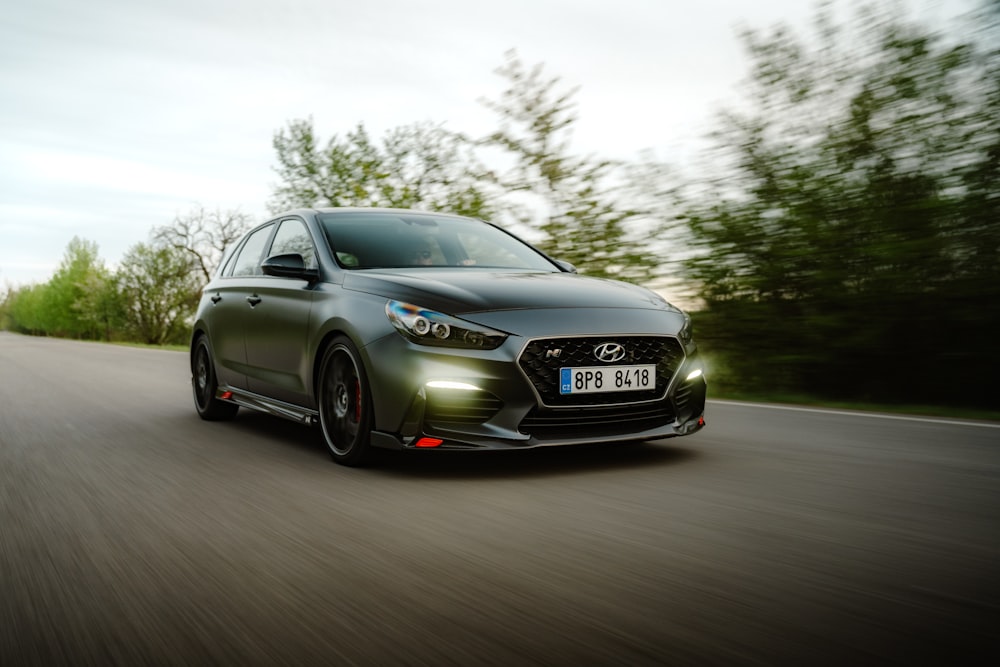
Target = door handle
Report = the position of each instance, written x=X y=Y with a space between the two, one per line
x=253 y=300
x=216 y=298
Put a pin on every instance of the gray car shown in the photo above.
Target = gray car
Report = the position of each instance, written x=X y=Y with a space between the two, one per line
x=407 y=330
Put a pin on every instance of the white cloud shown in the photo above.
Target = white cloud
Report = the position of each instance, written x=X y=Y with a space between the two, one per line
x=133 y=177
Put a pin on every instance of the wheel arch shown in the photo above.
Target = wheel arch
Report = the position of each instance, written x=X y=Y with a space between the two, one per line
x=366 y=322
x=197 y=332
x=324 y=343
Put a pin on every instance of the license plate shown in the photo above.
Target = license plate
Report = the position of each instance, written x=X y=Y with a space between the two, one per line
x=599 y=379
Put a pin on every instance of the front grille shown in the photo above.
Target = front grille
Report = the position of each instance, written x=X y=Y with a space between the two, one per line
x=541 y=367
x=461 y=407
x=594 y=421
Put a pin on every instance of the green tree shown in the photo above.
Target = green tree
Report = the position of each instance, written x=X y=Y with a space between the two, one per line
x=101 y=307
x=61 y=307
x=160 y=286
x=6 y=299
x=24 y=309
x=577 y=203
x=422 y=165
x=836 y=235
x=605 y=217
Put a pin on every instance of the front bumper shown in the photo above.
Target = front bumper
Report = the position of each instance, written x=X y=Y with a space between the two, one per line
x=462 y=441
x=494 y=400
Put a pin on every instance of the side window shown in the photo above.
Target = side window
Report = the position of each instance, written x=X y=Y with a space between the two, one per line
x=227 y=267
x=229 y=260
x=293 y=237
x=248 y=261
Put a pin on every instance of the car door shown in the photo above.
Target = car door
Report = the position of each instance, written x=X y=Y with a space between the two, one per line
x=230 y=297
x=277 y=331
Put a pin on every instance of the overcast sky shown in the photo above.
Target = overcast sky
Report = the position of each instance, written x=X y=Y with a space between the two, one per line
x=118 y=115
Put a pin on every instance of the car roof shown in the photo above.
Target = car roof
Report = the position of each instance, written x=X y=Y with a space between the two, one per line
x=373 y=210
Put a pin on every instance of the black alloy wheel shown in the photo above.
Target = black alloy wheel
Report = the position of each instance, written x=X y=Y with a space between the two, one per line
x=345 y=410
x=205 y=385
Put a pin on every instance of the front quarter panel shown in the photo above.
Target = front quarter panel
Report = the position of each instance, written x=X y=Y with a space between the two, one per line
x=357 y=315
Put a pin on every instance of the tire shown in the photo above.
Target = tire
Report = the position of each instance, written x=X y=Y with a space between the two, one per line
x=345 y=406
x=205 y=385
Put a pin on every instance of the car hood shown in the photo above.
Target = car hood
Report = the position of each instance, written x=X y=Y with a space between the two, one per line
x=465 y=291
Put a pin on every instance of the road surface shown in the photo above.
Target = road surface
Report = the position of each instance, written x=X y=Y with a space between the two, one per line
x=133 y=532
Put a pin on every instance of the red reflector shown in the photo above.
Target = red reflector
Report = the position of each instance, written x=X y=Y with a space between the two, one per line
x=427 y=442
x=701 y=421
x=226 y=395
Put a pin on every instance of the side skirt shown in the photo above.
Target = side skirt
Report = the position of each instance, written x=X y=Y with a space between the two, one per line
x=248 y=399
x=295 y=413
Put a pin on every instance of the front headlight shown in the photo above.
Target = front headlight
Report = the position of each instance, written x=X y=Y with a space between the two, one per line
x=429 y=327
x=685 y=333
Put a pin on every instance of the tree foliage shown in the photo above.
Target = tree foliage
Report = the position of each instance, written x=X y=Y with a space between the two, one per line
x=853 y=232
x=422 y=165
x=160 y=285
x=61 y=306
x=583 y=209
x=23 y=309
x=150 y=298
x=203 y=236
x=79 y=300
x=576 y=202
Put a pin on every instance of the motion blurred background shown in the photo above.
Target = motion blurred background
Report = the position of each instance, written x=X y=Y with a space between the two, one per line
x=833 y=229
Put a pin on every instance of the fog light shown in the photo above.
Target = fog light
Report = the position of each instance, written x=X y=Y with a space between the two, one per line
x=694 y=374
x=428 y=442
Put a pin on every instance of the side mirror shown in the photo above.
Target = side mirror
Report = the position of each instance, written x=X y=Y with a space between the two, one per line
x=288 y=266
x=565 y=266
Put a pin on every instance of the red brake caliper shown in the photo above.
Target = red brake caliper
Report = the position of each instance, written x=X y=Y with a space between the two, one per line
x=357 y=401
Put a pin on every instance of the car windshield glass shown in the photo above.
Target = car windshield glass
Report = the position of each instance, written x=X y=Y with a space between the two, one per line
x=370 y=240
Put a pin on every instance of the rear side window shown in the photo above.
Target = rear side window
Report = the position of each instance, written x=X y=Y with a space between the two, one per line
x=227 y=267
x=248 y=260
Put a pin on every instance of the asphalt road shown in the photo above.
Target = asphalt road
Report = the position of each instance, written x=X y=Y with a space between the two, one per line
x=132 y=532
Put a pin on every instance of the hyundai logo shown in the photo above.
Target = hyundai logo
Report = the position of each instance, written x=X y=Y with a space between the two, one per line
x=609 y=353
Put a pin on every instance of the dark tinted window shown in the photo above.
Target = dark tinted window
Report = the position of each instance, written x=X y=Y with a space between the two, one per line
x=362 y=240
x=293 y=237
x=248 y=261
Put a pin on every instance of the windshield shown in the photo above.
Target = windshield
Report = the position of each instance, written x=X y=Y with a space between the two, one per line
x=375 y=240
